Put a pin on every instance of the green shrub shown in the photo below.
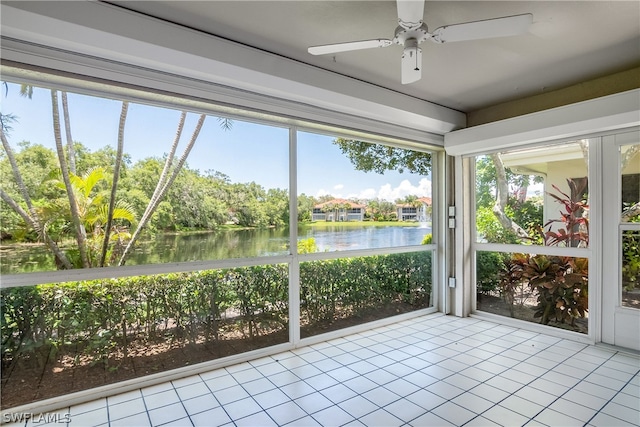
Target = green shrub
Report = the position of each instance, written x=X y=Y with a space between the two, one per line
x=488 y=268
x=350 y=285
x=96 y=317
x=307 y=246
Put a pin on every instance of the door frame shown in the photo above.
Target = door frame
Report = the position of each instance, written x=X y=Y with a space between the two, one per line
x=620 y=326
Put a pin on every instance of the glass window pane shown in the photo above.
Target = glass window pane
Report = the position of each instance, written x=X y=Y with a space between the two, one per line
x=65 y=337
x=534 y=196
x=630 y=196
x=631 y=269
x=190 y=186
x=357 y=195
x=550 y=290
x=344 y=292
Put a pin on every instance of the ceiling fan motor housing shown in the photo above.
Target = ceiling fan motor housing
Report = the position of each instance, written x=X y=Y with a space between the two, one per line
x=403 y=34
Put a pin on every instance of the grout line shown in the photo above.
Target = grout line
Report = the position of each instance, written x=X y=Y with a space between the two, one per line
x=612 y=397
x=442 y=333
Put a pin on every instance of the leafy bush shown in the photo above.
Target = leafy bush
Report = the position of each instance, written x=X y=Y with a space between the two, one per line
x=560 y=283
x=489 y=228
x=103 y=314
x=94 y=318
x=488 y=268
x=351 y=285
x=630 y=260
x=307 y=246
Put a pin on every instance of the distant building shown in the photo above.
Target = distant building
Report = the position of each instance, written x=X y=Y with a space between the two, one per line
x=420 y=212
x=338 y=210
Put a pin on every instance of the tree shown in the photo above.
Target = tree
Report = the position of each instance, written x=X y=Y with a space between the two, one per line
x=276 y=207
x=165 y=180
x=30 y=216
x=94 y=210
x=114 y=185
x=305 y=207
x=380 y=158
x=502 y=197
x=81 y=236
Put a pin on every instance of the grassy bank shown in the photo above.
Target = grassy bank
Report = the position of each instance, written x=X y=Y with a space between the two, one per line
x=320 y=224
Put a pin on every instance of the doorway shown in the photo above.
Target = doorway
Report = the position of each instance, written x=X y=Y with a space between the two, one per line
x=621 y=240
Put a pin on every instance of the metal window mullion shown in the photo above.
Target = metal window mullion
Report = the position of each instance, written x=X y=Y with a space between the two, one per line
x=294 y=266
x=62 y=276
x=533 y=249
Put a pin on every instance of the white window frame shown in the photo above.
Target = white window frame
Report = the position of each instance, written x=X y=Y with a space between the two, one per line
x=589 y=119
x=51 y=65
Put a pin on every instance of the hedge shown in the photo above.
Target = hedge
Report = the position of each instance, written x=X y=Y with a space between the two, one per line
x=104 y=314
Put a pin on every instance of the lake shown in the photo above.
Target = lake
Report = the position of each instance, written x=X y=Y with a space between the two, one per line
x=229 y=244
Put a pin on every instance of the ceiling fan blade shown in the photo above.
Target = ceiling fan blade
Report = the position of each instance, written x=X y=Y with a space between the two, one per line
x=344 y=47
x=497 y=27
x=411 y=64
x=410 y=13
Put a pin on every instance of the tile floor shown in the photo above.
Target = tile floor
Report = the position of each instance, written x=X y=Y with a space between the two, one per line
x=431 y=371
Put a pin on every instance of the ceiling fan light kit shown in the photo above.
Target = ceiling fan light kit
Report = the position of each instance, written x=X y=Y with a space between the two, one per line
x=412 y=31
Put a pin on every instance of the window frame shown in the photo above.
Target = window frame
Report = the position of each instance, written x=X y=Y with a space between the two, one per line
x=62 y=81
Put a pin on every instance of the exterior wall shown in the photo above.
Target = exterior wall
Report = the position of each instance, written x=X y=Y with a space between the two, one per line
x=633 y=166
x=341 y=215
x=557 y=174
x=406 y=213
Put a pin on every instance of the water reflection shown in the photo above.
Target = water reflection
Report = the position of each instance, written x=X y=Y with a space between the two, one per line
x=229 y=244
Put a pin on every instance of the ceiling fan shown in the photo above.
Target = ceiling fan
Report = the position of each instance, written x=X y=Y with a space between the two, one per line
x=412 y=31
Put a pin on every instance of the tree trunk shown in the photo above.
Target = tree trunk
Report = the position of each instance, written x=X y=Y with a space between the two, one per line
x=168 y=162
x=30 y=218
x=502 y=198
x=114 y=184
x=71 y=152
x=630 y=212
x=17 y=175
x=155 y=201
x=31 y=222
x=81 y=237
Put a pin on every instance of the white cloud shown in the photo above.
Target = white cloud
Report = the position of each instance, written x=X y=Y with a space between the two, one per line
x=405 y=188
x=369 y=193
x=386 y=191
x=322 y=192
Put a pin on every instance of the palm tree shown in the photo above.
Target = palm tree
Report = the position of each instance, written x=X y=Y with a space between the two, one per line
x=81 y=235
x=162 y=187
x=31 y=217
x=67 y=127
x=95 y=213
x=114 y=184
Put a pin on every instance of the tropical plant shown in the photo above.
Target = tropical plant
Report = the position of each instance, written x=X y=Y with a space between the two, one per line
x=168 y=176
x=96 y=215
x=575 y=226
x=559 y=283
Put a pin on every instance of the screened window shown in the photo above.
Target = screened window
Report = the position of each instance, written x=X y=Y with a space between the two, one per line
x=189 y=214
x=534 y=198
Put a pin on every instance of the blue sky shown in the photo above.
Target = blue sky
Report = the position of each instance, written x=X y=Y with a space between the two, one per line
x=248 y=152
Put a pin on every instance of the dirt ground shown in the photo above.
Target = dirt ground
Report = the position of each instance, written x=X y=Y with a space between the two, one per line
x=524 y=310
x=45 y=373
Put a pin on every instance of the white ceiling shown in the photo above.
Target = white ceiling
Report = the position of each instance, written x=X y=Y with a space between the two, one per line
x=569 y=42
